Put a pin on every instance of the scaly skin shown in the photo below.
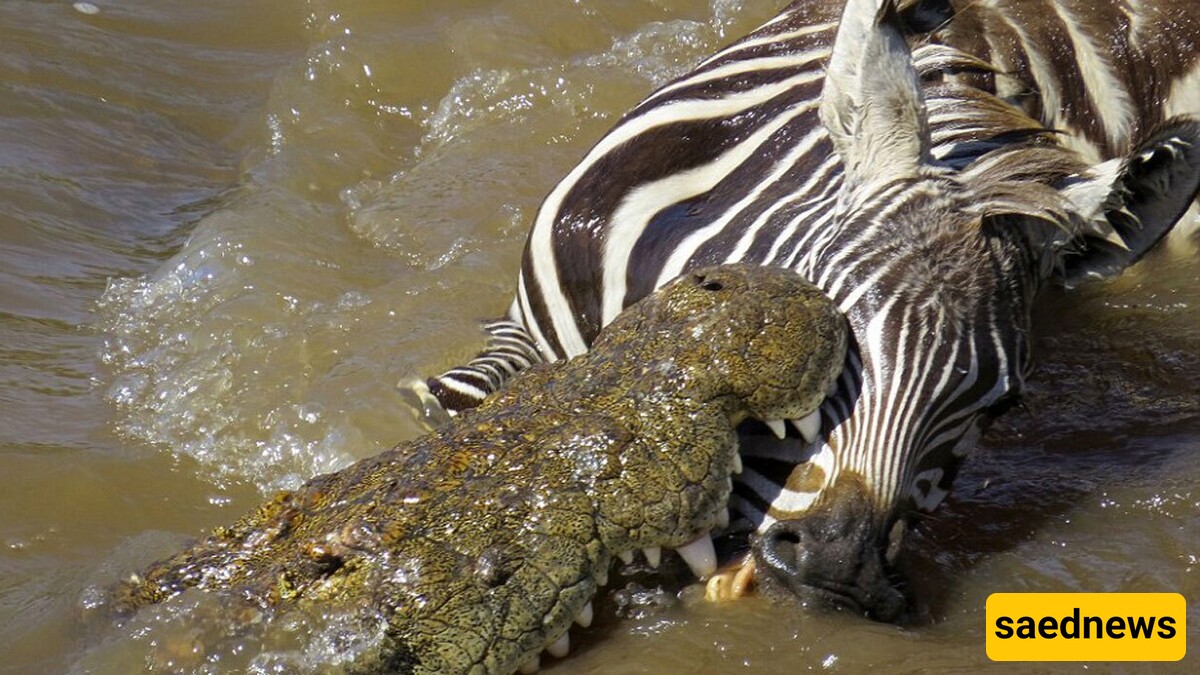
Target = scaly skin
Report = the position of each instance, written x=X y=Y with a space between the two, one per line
x=480 y=543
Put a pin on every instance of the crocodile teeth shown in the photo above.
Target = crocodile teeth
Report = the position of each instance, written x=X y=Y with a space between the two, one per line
x=626 y=557
x=700 y=556
x=832 y=389
x=653 y=556
x=585 y=615
x=737 y=463
x=560 y=647
x=722 y=519
x=531 y=666
x=777 y=427
x=809 y=426
x=602 y=576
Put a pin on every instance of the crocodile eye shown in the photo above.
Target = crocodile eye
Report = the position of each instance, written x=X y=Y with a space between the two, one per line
x=708 y=284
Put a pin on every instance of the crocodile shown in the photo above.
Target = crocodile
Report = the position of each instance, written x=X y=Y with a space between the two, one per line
x=478 y=545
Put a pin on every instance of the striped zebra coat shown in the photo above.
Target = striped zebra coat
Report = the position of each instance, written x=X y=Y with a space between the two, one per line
x=921 y=190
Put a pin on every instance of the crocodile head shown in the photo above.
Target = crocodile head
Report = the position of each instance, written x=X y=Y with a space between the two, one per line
x=762 y=341
x=476 y=547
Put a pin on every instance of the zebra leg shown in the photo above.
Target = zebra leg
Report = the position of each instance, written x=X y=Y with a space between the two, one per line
x=509 y=350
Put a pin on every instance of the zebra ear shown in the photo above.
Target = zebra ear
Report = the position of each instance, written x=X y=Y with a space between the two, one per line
x=1132 y=203
x=872 y=103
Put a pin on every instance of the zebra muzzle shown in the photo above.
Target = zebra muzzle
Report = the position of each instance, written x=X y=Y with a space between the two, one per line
x=833 y=556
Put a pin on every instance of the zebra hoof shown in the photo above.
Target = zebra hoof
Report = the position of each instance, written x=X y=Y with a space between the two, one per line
x=424 y=406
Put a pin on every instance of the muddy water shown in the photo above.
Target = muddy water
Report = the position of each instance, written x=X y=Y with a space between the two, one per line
x=227 y=229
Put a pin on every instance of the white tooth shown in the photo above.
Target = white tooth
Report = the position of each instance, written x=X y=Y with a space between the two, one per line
x=737 y=463
x=700 y=556
x=585 y=615
x=777 y=427
x=530 y=667
x=832 y=388
x=722 y=519
x=809 y=426
x=602 y=576
x=626 y=557
x=560 y=647
x=653 y=556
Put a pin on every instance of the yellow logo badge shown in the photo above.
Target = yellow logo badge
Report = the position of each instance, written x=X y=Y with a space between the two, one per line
x=1086 y=627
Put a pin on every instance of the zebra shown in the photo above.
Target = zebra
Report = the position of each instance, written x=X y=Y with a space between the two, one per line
x=929 y=208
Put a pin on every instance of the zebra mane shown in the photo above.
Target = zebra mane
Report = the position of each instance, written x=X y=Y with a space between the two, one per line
x=1007 y=163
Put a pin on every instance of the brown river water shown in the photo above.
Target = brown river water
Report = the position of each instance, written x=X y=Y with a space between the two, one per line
x=227 y=229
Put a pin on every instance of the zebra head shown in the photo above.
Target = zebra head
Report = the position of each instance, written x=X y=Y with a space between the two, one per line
x=952 y=212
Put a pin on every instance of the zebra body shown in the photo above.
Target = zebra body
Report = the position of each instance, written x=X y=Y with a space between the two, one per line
x=932 y=221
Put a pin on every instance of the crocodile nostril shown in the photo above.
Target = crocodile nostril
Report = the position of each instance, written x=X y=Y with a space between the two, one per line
x=708 y=284
x=492 y=570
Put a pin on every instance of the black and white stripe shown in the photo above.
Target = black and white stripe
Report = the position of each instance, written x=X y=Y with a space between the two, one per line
x=508 y=351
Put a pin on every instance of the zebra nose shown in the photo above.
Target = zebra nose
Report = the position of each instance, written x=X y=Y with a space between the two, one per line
x=818 y=550
x=828 y=558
